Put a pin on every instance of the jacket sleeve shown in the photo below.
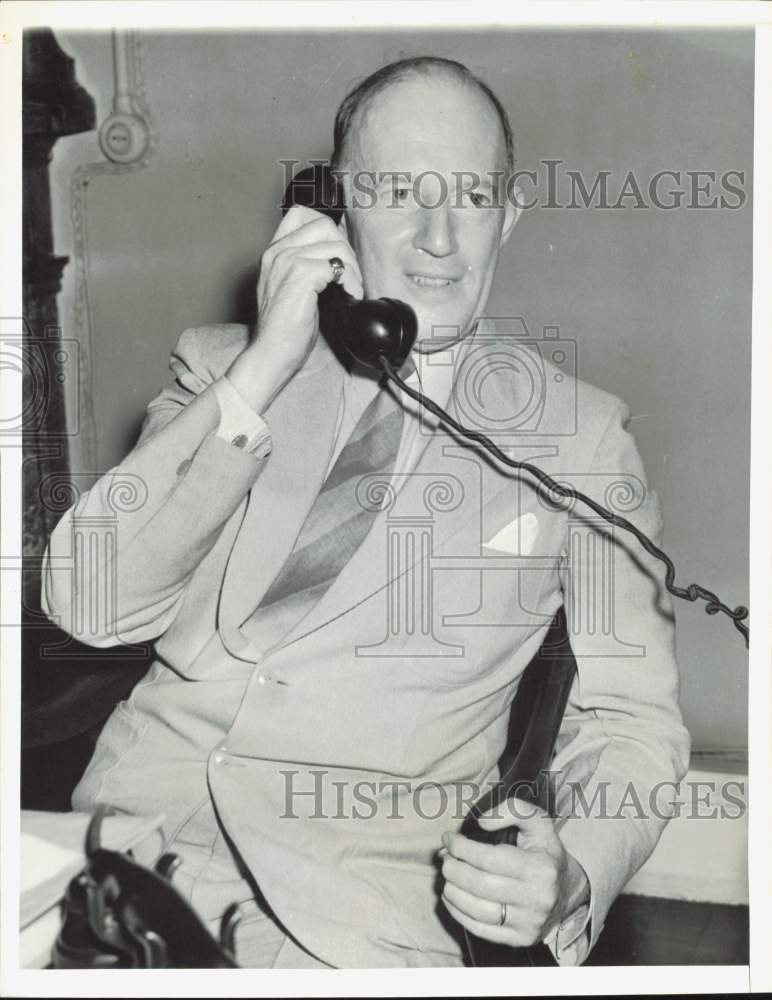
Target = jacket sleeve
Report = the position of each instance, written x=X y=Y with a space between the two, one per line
x=118 y=562
x=622 y=747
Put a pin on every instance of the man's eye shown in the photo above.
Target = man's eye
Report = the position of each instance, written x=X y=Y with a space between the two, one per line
x=478 y=200
x=401 y=194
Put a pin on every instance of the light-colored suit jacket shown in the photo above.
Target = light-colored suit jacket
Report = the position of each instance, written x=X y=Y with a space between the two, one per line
x=337 y=758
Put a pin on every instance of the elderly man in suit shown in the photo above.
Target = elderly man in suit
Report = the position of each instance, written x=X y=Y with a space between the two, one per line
x=343 y=595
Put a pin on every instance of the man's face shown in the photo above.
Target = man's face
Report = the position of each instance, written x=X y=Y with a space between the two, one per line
x=432 y=238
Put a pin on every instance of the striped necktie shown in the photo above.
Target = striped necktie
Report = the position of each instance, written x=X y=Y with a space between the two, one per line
x=336 y=525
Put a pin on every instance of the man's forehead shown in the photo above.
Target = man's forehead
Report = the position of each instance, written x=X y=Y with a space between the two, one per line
x=427 y=118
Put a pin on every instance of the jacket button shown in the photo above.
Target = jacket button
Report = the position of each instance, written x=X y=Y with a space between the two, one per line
x=240 y=440
x=220 y=756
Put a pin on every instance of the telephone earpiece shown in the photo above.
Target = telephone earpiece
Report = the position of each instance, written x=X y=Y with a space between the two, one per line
x=363 y=331
x=366 y=330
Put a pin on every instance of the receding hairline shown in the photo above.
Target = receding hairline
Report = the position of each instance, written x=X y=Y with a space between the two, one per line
x=362 y=97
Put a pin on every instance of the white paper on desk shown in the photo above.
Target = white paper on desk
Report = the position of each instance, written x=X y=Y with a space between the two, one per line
x=41 y=860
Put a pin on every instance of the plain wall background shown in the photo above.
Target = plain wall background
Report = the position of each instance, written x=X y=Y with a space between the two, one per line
x=658 y=301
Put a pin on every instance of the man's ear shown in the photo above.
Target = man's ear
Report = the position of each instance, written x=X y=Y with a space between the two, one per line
x=513 y=209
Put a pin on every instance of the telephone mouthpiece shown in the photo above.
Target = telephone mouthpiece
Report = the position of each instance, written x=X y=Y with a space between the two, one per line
x=380 y=328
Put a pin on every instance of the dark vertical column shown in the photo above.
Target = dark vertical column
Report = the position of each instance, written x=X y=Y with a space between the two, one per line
x=53 y=105
x=67 y=688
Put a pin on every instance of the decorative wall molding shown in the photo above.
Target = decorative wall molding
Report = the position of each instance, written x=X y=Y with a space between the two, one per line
x=127 y=51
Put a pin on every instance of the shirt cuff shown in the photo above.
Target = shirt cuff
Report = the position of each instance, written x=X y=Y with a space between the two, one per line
x=239 y=424
x=569 y=942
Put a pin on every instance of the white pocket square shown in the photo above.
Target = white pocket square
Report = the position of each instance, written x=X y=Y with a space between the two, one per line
x=516 y=538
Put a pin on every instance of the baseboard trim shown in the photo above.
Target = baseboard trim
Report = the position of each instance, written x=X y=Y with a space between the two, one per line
x=704 y=857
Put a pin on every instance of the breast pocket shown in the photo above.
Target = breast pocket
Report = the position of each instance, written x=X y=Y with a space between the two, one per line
x=477 y=614
x=477 y=594
x=500 y=592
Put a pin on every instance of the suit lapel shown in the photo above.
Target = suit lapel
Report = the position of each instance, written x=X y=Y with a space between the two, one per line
x=302 y=422
x=286 y=490
x=370 y=569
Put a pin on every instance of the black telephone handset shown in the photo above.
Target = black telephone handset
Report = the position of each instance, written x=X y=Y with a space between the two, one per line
x=363 y=331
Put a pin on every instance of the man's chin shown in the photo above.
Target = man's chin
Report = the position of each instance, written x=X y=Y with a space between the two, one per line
x=432 y=345
x=440 y=337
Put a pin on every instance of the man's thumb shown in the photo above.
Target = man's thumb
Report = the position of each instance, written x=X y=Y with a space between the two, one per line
x=533 y=822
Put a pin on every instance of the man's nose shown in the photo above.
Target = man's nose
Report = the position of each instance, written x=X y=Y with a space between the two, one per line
x=435 y=231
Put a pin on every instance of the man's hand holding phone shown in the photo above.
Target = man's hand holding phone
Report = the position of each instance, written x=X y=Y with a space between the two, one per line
x=294 y=270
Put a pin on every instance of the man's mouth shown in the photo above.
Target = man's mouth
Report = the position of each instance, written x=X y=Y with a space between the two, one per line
x=427 y=281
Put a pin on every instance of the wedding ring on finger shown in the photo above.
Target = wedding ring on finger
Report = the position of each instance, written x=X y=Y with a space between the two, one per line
x=338 y=267
x=503 y=916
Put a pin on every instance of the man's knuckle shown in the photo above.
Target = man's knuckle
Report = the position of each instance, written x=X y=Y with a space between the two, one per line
x=490 y=885
x=542 y=867
x=543 y=896
x=531 y=923
x=296 y=266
